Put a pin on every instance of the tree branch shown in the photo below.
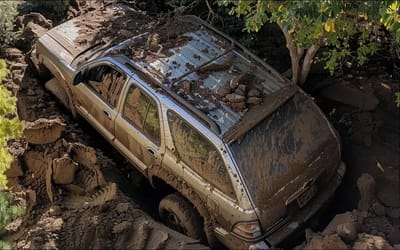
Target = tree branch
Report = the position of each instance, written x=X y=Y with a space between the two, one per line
x=294 y=56
x=308 y=62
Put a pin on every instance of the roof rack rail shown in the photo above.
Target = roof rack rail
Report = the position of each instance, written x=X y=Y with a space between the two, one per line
x=146 y=75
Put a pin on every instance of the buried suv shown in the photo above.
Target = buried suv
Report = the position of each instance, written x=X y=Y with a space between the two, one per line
x=244 y=156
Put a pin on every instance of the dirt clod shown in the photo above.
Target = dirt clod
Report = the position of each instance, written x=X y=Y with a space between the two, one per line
x=64 y=169
x=44 y=131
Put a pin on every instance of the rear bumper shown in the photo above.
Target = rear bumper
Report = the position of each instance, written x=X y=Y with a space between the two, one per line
x=292 y=225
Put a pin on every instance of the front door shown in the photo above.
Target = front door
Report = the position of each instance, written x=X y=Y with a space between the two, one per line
x=98 y=95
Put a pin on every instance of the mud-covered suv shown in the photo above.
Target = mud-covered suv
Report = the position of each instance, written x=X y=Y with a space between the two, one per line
x=246 y=155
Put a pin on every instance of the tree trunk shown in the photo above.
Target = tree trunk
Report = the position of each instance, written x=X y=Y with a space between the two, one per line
x=293 y=51
x=300 y=67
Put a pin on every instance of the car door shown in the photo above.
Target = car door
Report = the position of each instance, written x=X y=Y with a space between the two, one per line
x=137 y=127
x=98 y=94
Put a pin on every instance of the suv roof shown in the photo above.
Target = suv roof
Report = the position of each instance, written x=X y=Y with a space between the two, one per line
x=203 y=70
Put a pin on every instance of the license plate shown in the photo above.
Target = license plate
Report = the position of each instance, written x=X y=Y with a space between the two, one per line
x=305 y=197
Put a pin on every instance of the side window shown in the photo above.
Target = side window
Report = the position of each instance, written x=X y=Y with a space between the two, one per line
x=141 y=111
x=106 y=81
x=199 y=153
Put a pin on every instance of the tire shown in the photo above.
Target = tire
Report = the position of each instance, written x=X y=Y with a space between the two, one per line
x=180 y=215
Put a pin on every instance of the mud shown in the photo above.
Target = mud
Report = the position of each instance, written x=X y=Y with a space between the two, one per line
x=58 y=177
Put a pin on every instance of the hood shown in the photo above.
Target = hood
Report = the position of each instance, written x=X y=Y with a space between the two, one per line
x=293 y=151
x=107 y=26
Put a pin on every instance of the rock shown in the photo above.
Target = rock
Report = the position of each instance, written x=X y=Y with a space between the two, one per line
x=43 y=131
x=13 y=184
x=254 y=93
x=254 y=100
x=242 y=87
x=367 y=241
x=387 y=188
x=350 y=96
x=238 y=106
x=64 y=170
x=224 y=90
x=378 y=209
x=122 y=207
x=55 y=210
x=366 y=187
x=339 y=219
x=233 y=98
x=240 y=92
x=333 y=241
x=347 y=231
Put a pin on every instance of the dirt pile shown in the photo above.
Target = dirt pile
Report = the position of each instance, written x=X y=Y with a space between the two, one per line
x=70 y=203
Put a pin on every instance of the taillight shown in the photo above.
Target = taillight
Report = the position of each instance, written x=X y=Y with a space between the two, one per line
x=248 y=230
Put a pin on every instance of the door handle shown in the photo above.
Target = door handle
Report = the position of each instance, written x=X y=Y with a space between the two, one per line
x=151 y=151
x=106 y=114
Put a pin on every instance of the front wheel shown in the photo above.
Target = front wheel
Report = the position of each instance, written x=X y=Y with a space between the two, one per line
x=180 y=215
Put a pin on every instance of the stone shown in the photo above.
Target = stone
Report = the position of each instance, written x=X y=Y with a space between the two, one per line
x=254 y=93
x=366 y=187
x=347 y=231
x=378 y=209
x=343 y=218
x=333 y=241
x=122 y=207
x=367 y=241
x=254 y=100
x=55 y=210
x=233 y=98
x=224 y=90
x=64 y=169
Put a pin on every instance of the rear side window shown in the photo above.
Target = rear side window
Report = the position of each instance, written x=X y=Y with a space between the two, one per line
x=141 y=111
x=199 y=153
x=106 y=81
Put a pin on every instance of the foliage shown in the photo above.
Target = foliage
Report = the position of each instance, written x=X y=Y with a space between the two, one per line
x=55 y=7
x=8 y=211
x=8 y=12
x=397 y=99
x=350 y=29
x=9 y=128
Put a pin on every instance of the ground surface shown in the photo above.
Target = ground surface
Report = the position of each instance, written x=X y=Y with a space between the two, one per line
x=102 y=208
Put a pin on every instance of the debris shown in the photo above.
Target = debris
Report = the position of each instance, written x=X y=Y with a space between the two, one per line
x=378 y=208
x=367 y=241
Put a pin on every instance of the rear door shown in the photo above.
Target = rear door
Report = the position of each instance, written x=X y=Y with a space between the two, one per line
x=137 y=127
x=98 y=95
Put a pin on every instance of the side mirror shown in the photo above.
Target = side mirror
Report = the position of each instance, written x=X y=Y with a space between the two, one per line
x=78 y=78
